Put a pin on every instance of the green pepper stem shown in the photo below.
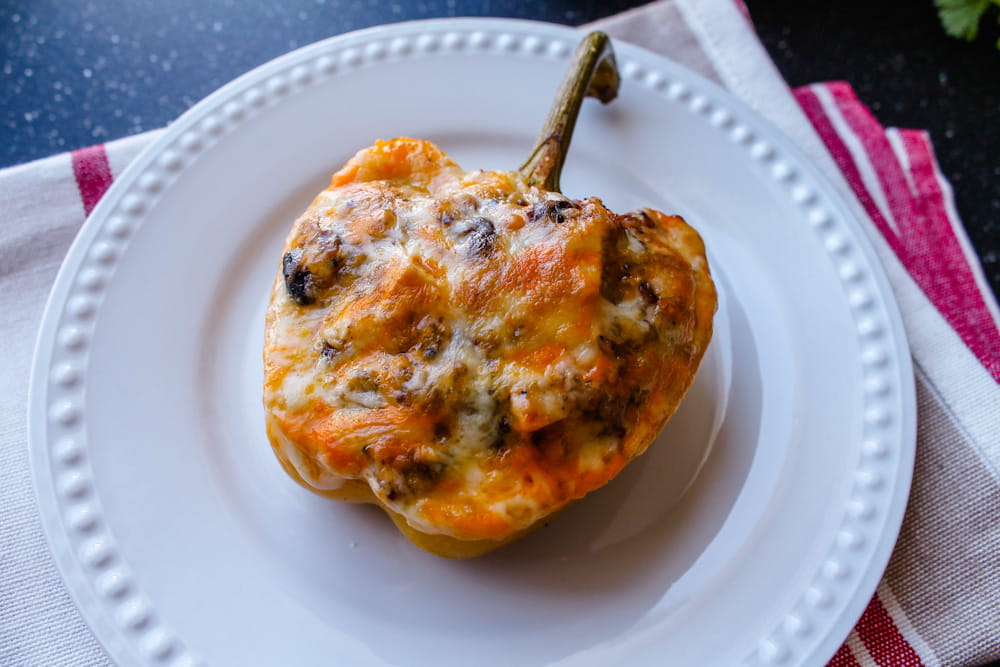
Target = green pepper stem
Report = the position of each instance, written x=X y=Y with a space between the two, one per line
x=592 y=73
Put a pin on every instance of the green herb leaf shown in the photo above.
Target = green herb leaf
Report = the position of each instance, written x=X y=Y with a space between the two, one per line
x=960 y=18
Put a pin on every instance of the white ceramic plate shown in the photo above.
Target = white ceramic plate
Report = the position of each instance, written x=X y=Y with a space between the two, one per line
x=181 y=539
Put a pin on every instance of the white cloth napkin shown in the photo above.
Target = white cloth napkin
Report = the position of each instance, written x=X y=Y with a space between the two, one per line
x=42 y=211
x=939 y=603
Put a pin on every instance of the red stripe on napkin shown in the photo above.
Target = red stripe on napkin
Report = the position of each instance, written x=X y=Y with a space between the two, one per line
x=93 y=175
x=956 y=290
x=891 y=179
x=841 y=154
x=922 y=230
x=886 y=644
x=843 y=658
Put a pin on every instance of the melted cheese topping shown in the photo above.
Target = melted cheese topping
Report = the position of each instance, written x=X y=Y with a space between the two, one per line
x=478 y=351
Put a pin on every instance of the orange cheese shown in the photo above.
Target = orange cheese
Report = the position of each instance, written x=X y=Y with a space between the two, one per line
x=476 y=352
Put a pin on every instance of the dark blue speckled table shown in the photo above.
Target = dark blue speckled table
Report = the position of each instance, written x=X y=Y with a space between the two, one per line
x=80 y=73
